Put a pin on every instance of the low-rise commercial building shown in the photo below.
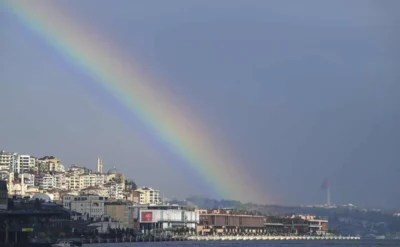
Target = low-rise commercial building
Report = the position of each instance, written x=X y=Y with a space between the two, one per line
x=220 y=222
x=164 y=217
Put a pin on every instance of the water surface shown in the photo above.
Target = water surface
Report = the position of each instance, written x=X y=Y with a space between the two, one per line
x=354 y=243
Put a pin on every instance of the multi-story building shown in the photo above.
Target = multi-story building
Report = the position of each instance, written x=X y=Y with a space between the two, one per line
x=73 y=182
x=16 y=163
x=25 y=163
x=115 y=190
x=60 y=180
x=148 y=196
x=50 y=163
x=92 y=179
x=97 y=190
x=318 y=226
x=91 y=205
x=78 y=181
x=51 y=180
x=76 y=170
x=45 y=181
x=167 y=217
x=7 y=160
x=315 y=225
x=220 y=221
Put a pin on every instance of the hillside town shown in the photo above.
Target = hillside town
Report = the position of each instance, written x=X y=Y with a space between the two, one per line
x=27 y=175
x=56 y=201
x=108 y=200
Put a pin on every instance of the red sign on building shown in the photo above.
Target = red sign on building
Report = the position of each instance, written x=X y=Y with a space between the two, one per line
x=147 y=216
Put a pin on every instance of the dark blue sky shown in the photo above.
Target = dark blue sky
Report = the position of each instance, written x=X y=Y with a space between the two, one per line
x=301 y=91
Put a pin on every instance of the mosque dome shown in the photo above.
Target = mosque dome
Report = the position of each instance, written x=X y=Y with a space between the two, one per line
x=112 y=171
x=43 y=197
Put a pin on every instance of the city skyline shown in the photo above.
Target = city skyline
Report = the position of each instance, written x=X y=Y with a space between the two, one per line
x=292 y=94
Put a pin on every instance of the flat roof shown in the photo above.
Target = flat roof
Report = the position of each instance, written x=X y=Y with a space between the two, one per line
x=28 y=212
x=317 y=220
x=241 y=215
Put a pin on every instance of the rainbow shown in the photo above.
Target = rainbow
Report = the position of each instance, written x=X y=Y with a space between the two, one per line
x=168 y=120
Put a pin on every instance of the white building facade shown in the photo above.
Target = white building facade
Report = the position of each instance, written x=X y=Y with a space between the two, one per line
x=167 y=219
x=90 y=205
x=46 y=182
x=7 y=160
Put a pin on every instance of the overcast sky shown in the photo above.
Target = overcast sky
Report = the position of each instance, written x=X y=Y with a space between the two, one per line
x=299 y=90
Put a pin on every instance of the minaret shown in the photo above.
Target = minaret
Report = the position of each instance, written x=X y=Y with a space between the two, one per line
x=100 y=165
x=22 y=185
x=10 y=182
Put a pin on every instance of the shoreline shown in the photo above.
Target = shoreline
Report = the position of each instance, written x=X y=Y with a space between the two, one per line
x=271 y=238
x=221 y=238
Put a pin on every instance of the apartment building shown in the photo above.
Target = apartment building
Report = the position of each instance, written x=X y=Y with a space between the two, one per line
x=97 y=190
x=7 y=160
x=45 y=181
x=92 y=179
x=76 y=170
x=115 y=190
x=16 y=163
x=78 y=181
x=60 y=180
x=50 y=163
x=73 y=182
x=25 y=163
x=148 y=195
x=91 y=205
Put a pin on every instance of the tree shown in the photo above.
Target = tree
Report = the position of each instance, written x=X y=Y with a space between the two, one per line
x=332 y=231
x=130 y=185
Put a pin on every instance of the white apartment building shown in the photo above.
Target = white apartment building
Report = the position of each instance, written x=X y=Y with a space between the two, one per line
x=115 y=190
x=91 y=205
x=89 y=180
x=5 y=160
x=25 y=163
x=73 y=182
x=60 y=180
x=79 y=181
x=8 y=160
x=76 y=170
x=46 y=181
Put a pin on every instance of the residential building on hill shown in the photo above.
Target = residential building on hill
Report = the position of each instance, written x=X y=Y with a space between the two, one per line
x=16 y=162
x=148 y=195
x=8 y=160
x=50 y=163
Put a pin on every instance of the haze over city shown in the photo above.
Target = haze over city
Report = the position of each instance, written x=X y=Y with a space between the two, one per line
x=297 y=93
